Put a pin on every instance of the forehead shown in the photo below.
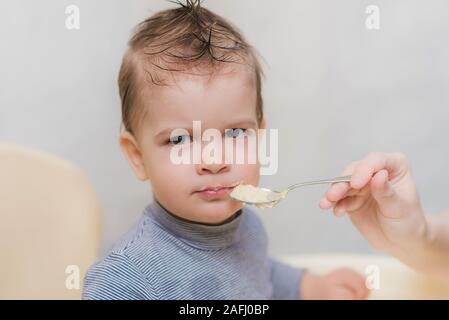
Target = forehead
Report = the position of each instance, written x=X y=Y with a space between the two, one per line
x=216 y=100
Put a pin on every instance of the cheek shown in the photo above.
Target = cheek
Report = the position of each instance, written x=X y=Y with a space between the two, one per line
x=165 y=175
x=249 y=173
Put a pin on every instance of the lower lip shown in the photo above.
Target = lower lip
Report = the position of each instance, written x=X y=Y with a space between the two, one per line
x=215 y=194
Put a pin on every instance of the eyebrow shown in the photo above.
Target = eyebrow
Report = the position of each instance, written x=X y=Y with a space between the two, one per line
x=249 y=123
x=169 y=130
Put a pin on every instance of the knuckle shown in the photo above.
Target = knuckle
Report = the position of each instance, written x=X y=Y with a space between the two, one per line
x=375 y=155
x=402 y=158
x=350 y=167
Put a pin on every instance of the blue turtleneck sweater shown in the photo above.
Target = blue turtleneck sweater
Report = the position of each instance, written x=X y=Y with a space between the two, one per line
x=165 y=257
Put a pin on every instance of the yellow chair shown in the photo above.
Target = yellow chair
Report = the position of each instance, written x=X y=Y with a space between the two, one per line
x=50 y=225
x=386 y=277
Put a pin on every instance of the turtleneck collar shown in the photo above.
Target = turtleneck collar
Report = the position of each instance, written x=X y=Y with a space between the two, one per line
x=199 y=235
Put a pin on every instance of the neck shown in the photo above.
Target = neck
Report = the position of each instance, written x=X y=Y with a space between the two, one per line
x=200 y=235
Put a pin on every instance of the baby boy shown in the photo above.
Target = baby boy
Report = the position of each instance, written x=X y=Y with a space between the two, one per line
x=193 y=241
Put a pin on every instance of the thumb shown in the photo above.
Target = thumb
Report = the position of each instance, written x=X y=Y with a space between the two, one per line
x=383 y=192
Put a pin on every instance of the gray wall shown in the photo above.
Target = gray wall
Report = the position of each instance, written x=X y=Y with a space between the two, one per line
x=334 y=89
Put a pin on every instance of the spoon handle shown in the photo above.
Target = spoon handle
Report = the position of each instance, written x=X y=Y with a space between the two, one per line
x=324 y=181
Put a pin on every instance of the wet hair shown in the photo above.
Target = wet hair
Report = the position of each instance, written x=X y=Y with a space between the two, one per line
x=189 y=38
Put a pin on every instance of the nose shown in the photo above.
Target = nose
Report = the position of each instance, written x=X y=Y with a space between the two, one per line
x=209 y=165
x=212 y=168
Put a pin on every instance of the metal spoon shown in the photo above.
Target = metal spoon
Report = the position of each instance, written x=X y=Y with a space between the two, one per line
x=266 y=198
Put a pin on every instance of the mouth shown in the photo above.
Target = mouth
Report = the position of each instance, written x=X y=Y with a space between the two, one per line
x=217 y=190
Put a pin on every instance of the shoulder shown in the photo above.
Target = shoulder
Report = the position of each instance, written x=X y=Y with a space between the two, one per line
x=123 y=273
x=117 y=277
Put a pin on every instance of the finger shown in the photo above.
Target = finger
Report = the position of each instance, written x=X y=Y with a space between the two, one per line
x=353 y=200
x=380 y=184
x=354 y=281
x=343 y=185
x=365 y=292
x=342 y=206
x=360 y=288
x=366 y=168
x=337 y=191
x=384 y=193
x=325 y=204
x=374 y=162
x=342 y=293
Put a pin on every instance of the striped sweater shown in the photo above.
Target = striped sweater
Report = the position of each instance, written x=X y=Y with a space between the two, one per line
x=165 y=257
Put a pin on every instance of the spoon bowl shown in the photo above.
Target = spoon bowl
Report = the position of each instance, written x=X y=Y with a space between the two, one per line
x=266 y=198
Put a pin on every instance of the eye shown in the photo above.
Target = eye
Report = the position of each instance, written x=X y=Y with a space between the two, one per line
x=179 y=139
x=234 y=132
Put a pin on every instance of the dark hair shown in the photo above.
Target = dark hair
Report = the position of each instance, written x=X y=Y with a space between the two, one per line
x=189 y=37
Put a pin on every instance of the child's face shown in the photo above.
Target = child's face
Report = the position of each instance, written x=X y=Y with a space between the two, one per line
x=227 y=100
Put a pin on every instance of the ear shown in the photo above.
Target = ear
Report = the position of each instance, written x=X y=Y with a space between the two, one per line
x=130 y=149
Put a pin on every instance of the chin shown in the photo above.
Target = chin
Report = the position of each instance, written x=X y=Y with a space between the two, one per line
x=217 y=211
